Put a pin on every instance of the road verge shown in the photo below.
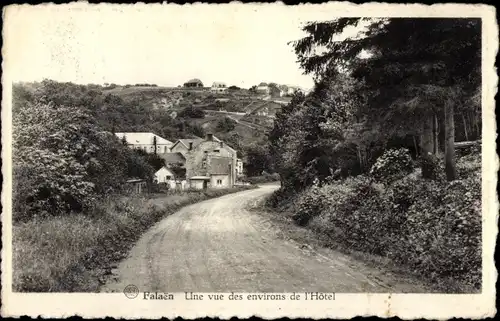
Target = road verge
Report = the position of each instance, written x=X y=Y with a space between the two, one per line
x=77 y=253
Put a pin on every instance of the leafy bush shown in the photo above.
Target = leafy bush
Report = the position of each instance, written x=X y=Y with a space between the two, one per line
x=63 y=162
x=447 y=217
x=264 y=178
x=432 y=167
x=468 y=165
x=393 y=164
x=192 y=112
x=225 y=125
x=332 y=198
x=432 y=227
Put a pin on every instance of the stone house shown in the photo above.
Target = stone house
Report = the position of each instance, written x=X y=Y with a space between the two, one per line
x=210 y=163
x=173 y=158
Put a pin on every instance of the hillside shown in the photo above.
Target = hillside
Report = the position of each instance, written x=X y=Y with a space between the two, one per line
x=236 y=105
x=240 y=117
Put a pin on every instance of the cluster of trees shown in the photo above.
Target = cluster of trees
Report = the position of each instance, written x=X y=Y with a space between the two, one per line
x=192 y=112
x=63 y=158
x=113 y=113
x=146 y=85
x=401 y=82
x=225 y=125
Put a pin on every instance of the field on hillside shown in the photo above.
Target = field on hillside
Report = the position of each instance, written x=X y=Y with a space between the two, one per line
x=233 y=105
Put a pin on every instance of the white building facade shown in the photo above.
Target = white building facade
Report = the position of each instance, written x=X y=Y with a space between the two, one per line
x=219 y=88
x=146 y=141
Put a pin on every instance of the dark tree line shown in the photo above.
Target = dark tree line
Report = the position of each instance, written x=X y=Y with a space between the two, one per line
x=400 y=82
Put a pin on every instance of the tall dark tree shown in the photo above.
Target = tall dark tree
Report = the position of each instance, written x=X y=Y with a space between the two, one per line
x=411 y=69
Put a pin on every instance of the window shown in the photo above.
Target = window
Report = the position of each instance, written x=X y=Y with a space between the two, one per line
x=165 y=149
x=168 y=177
x=206 y=151
x=216 y=150
x=219 y=182
x=152 y=148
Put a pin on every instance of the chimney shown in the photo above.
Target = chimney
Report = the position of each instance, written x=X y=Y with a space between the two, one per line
x=221 y=144
x=210 y=137
x=190 y=145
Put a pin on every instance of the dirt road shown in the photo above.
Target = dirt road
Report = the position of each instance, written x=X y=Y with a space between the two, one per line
x=218 y=245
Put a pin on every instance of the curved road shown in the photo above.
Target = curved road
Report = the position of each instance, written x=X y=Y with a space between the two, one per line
x=220 y=246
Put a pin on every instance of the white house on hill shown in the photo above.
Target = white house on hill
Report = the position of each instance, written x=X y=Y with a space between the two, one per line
x=219 y=88
x=146 y=141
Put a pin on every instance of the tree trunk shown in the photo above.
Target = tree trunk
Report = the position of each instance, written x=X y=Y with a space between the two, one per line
x=476 y=124
x=360 y=160
x=449 y=131
x=436 y=134
x=415 y=145
x=465 y=128
x=426 y=146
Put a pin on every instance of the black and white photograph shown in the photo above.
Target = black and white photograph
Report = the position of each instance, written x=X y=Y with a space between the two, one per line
x=205 y=157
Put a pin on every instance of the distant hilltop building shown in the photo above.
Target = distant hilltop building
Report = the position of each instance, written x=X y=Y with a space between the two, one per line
x=293 y=89
x=263 y=88
x=193 y=83
x=219 y=88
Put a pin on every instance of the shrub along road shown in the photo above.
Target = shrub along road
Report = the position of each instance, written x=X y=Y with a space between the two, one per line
x=219 y=245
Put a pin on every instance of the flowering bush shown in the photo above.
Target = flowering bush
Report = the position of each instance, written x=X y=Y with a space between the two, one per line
x=393 y=164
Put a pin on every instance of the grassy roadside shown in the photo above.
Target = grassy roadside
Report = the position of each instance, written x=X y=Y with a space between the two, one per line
x=308 y=237
x=76 y=253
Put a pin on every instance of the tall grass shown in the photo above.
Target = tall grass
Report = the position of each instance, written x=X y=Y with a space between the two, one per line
x=74 y=253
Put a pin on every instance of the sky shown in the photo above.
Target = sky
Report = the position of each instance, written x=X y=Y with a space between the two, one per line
x=240 y=45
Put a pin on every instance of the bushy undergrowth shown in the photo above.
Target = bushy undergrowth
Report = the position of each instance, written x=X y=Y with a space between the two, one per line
x=392 y=165
x=266 y=178
x=72 y=253
x=432 y=227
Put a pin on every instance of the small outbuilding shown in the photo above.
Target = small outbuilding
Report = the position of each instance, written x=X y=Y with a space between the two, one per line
x=136 y=185
x=199 y=182
x=167 y=177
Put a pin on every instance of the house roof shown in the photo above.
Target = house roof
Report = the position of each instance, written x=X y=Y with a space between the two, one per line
x=166 y=170
x=204 y=178
x=225 y=145
x=197 y=141
x=219 y=165
x=186 y=141
x=173 y=157
x=143 y=138
x=194 y=80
